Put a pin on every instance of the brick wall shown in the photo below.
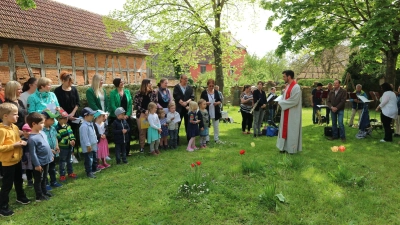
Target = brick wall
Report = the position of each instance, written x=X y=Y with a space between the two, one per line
x=114 y=69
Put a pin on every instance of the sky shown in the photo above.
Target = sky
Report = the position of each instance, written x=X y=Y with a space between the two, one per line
x=250 y=32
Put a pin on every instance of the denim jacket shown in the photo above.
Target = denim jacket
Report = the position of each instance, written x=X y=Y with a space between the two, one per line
x=87 y=136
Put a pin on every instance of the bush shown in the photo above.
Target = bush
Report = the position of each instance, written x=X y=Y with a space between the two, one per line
x=310 y=82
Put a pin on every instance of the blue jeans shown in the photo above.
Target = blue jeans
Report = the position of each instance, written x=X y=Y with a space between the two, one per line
x=120 y=149
x=173 y=138
x=337 y=118
x=90 y=161
x=65 y=158
x=271 y=114
x=314 y=110
x=52 y=173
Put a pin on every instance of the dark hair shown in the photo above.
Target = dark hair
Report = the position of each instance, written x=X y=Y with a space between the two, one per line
x=117 y=82
x=161 y=81
x=260 y=82
x=245 y=87
x=65 y=76
x=337 y=80
x=386 y=87
x=143 y=86
x=34 y=118
x=289 y=73
x=30 y=81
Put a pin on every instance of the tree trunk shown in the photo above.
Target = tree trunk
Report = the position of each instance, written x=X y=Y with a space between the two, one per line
x=391 y=59
x=216 y=40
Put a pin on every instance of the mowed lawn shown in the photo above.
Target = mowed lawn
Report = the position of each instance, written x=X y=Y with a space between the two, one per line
x=358 y=186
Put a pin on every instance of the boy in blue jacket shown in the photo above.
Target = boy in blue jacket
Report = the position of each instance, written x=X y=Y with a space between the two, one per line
x=88 y=140
x=121 y=130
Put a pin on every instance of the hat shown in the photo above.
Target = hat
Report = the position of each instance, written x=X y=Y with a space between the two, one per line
x=48 y=114
x=99 y=112
x=63 y=114
x=26 y=127
x=119 y=110
x=319 y=85
x=87 y=111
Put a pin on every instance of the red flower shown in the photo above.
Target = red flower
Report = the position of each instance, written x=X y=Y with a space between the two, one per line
x=242 y=152
x=198 y=163
x=193 y=165
x=342 y=148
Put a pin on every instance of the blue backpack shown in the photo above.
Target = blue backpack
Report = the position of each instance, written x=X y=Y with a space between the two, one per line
x=272 y=131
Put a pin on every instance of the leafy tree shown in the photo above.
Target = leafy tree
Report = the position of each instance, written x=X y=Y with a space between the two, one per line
x=26 y=4
x=186 y=30
x=374 y=26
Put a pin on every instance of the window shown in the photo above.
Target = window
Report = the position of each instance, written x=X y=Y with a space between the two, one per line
x=202 y=68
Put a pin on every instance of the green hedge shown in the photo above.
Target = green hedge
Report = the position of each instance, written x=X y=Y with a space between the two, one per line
x=310 y=82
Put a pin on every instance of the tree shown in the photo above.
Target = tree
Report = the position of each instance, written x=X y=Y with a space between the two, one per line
x=26 y=4
x=185 y=30
x=374 y=26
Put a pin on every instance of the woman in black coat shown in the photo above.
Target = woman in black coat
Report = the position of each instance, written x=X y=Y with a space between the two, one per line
x=213 y=106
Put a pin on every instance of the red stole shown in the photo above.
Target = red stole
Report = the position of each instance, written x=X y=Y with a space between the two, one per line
x=286 y=112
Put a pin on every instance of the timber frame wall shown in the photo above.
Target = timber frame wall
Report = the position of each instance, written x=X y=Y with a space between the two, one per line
x=21 y=60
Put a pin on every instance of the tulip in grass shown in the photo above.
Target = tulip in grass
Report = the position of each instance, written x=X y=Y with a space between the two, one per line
x=242 y=152
x=342 y=148
x=198 y=163
x=334 y=148
x=193 y=165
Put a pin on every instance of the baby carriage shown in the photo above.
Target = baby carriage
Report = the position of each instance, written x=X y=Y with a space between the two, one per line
x=365 y=127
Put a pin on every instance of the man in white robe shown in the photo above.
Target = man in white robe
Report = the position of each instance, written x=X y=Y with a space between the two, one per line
x=290 y=132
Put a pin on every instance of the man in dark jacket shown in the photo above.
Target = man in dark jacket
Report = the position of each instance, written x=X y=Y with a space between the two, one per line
x=336 y=102
x=183 y=94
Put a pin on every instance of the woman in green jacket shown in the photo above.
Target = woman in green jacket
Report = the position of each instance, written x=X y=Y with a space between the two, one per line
x=97 y=96
x=121 y=97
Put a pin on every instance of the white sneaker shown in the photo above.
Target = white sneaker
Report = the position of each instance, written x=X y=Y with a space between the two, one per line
x=24 y=177
x=74 y=160
x=108 y=158
x=382 y=140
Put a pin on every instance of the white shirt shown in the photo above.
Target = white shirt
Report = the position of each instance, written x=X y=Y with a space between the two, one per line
x=24 y=98
x=154 y=122
x=211 y=107
x=389 y=104
x=101 y=128
x=102 y=100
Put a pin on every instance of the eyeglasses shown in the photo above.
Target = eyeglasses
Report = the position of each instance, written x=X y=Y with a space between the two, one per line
x=211 y=86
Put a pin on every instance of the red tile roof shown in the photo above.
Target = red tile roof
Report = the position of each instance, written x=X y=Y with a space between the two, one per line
x=56 y=23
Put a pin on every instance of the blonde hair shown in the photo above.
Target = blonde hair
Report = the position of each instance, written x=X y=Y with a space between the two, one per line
x=201 y=101
x=193 y=105
x=151 y=105
x=160 y=111
x=11 y=88
x=96 y=85
x=42 y=82
x=172 y=104
x=7 y=108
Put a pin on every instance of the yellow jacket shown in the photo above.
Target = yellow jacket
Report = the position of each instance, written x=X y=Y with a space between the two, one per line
x=9 y=155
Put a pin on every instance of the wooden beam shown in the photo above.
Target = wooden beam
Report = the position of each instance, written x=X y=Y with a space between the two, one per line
x=42 y=68
x=141 y=70
x=1 y=50
x=119 y=68
x=73 y=66
x=134 y=68
x=26 y=60
x=113 y=67
x=11 y=62
x=127 y=70
x=96 y=64
x=58 y=65
x=105 y=69
x=85 y=70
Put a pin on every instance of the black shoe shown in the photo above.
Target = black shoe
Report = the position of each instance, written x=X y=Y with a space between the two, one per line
x=24 y=200
x=141 y=150
x=48 y=194
x=42 y=198
x=96 y=171
x=6 y=212
x=91 y=175
x=125 y=162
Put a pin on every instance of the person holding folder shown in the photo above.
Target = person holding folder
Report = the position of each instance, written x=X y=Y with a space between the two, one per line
x=357 y=104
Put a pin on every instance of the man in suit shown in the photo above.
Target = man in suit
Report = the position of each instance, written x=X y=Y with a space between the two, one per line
x=183 y=94
x=336 y=102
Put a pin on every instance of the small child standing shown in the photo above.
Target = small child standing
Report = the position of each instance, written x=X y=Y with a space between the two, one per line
x=10 y=156
x=193 y=126
x=154 y=131
x=102 y=146
x=26 y=158
x=205 y=123
x=121 y=131
x=89 y=142
x=41 y=155
x=164 y=129
x=51 y=134
x=173 y=119
x=66 y=142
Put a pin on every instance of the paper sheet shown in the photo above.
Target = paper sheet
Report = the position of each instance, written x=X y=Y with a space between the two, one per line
x=363 y=99
x=322 y=106
x=280 y=97
x=52 y=107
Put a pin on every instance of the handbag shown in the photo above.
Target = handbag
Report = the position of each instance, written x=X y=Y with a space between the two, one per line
x=144 y=123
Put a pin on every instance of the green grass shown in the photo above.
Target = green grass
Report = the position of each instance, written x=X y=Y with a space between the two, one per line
x=319 y=186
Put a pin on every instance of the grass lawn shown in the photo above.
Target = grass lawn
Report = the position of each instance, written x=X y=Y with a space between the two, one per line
x=358 y=186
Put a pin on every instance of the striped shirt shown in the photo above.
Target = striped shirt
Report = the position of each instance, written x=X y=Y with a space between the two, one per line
x=246 y=107
x=64 y=135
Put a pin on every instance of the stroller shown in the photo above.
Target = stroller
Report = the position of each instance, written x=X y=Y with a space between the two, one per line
x=365 y=127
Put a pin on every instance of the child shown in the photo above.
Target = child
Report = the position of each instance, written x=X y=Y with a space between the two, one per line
x=26 y=158
x=121 y=131
x=154 y=131
x=41 y=155
x=89 y=142
x=173 y=119
x=10 y=156
x=66 y=143
x=204 y=124
x=51 y=133
x=164 y=129
x=102 y=146
x=193 y=126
